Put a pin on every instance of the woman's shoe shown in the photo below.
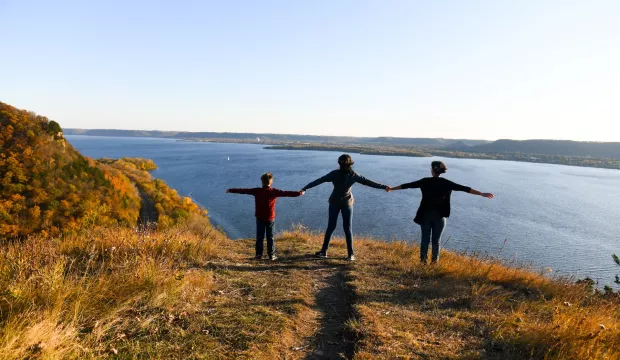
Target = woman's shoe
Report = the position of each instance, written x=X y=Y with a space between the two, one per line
x=351 y=258
x=321 y=254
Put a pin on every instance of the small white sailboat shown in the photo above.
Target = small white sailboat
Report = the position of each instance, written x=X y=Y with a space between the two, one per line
x=229 y=158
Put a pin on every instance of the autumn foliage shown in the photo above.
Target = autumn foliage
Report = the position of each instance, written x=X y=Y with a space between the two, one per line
x=48 y=188
x=139 y=163
x=170 y=206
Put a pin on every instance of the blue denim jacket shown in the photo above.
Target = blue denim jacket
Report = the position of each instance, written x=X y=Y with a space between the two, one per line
x=343 y=181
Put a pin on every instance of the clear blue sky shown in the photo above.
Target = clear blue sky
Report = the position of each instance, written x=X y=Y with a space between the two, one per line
x=456 y=69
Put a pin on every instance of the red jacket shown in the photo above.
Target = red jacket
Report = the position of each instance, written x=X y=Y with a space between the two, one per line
x=265 y=200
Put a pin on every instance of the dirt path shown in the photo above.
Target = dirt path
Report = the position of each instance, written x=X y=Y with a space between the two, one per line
x=322 y=288
x=148 y=214
x=334 y=300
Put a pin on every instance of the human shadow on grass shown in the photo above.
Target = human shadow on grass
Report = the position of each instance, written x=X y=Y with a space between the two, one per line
x=301 y=262
x=446 y=280
x=288 y=306
x=441 y=292
x=449 y=298
x=335 y=302
x=285 y=257
x=434 y=299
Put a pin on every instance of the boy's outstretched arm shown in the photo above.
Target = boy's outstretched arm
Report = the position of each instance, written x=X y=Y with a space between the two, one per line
x=241 y=191
x=282 y=193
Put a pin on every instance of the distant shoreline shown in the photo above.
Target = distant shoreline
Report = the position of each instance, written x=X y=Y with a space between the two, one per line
x=458 y=151
x=530 y=158
x=350 y=149
x=429 y=151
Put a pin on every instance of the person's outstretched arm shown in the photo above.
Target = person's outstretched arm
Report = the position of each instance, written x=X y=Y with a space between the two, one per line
x=411 y=185
x=362 y=180
x=282 y=193
x=241 y=191
x=467 y=189
x=318 y=181
x=486 y=195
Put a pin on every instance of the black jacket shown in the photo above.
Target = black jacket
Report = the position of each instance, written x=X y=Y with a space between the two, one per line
x=436 y=193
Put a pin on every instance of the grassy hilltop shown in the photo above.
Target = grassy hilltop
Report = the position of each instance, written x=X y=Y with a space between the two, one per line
x=78 y=281
x=188 y=292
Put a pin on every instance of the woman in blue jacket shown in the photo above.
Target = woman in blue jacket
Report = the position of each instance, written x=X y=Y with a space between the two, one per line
x=341 y=201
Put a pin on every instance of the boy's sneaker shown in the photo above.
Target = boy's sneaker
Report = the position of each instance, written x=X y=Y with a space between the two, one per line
x=273 y=257
x=320 y=254
x=258 y=257
x=351 y=258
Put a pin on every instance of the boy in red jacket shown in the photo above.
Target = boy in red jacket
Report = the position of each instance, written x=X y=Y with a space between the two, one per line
x=265 y=204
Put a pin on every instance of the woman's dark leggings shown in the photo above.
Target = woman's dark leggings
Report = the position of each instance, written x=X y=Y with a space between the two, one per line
x=432 y=227
x=347 y=223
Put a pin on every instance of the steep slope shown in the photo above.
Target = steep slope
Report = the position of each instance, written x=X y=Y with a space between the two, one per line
x=48 y=187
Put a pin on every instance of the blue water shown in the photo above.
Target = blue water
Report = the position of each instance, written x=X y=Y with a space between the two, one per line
x=553 y=216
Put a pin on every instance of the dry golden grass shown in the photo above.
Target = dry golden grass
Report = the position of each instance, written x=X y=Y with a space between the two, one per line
x=185 y=292
x=80 y=296
x=188 y=292
x=468 y=307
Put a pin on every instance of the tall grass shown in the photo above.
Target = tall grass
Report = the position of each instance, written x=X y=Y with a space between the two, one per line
x=515 y=313
x=67 y=297
x=187 y=291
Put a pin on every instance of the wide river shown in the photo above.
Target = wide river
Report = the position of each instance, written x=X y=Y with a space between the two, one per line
x=562 y=217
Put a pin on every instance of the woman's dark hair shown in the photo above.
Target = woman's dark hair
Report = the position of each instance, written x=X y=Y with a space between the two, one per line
x=439 y=167
x=345 y=162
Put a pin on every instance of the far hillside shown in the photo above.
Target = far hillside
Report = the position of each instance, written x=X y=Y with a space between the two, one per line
x=272 y=138
x=443 y=147
x=547 y=147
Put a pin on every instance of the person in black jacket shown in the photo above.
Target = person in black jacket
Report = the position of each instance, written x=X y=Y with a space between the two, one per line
x=435 y=206
x=341 y=200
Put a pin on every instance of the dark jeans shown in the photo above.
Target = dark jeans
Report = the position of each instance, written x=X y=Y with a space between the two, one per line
x=263 y=227
x=432 y=226
x=347 y=224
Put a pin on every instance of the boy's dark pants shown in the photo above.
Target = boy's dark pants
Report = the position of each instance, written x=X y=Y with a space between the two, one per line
x=263 y=227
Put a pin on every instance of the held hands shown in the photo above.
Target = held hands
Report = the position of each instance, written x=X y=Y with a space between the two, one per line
x=301 y=192
x=388 y=189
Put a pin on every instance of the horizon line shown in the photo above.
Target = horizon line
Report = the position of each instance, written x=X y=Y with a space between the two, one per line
x=343 y=136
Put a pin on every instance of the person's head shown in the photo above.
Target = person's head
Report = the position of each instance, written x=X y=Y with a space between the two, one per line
x=345 y=162
x=266 y=179
x=438 y=168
